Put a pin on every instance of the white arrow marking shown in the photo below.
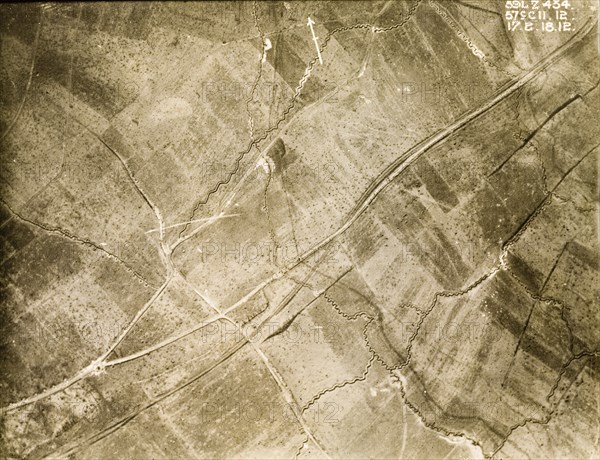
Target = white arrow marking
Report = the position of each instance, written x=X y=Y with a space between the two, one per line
x=312 y=31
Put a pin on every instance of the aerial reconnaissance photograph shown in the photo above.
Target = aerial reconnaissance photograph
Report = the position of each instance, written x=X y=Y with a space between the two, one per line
x=300 y=230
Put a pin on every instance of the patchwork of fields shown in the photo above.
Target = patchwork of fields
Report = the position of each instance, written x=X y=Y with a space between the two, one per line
x=229 y=231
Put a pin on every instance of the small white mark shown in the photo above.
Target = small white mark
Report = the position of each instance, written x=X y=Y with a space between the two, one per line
x=265 y=165
x=267 y=46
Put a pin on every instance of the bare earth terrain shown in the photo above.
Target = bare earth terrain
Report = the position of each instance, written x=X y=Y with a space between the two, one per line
x=300 y=230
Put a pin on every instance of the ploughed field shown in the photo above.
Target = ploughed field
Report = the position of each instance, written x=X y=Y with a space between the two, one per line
x=216 y=246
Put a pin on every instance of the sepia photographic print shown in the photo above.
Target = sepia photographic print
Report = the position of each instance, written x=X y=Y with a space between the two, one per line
x=300 y=230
